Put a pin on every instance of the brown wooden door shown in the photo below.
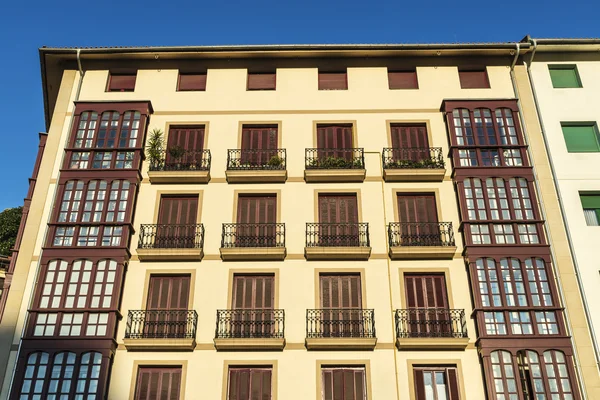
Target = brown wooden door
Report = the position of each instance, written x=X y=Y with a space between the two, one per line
x=259 y=144
x=427 y=303
x=334 y=141
x=191 y=140
x=410 y=142
x=177 y=217
x=257 y=216
x=256 y=295
x=167 y=305
x=158 y=383
x=341 y=301
x=418 y=218
x=249 y=384
x=338 y=216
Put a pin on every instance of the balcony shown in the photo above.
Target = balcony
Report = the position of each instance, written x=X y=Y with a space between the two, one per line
x=335 y=165
x=340 y=329
x=253 y=242
x=182 y=167
x=413 y=165
x=431 y=329
x=171 y=242
x=252 y=329
x=256 y=166
x=161 y=330
x=343 y=241
x=421 y=240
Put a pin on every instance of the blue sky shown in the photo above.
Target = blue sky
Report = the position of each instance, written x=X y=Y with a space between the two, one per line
x=27 y=25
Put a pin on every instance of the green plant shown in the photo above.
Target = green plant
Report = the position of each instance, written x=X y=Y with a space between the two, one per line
x=176 y=152
x=10 y=219
x=155 y=146
x=275 y=161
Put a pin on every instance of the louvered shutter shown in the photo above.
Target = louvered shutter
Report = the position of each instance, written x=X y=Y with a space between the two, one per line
x=338 y=215
x=249 y=384
x=403 y=80
x=427 y=301
x=253 y=292
x=121 y=82
x=335 y=141
x=343 y=383
x=419 y=385
x=340 y=294
x=190 y=139
x=333 y=81
x=453 y=384
x=418 y=220
x=158 y=383
x=260 y=81
x=177 y=222
x=167 y=293
x=191 y=82
x=259 y=213
x=259 y=144
x=409 y=136
x=474 y=79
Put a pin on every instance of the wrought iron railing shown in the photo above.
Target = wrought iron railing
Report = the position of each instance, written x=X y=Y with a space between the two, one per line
x=160 y=236
x=161 y=324
x=340 y=322
x=186 y=160
x=421 y=158
x=431 y=322
x=253 y=235
x=256 y=323
x=337 y=235
x=335 y=158
x=242 y=159
x=421 y=234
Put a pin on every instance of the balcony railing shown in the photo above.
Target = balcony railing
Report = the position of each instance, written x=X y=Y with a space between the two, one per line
x=253 y=235
x=197 y=160
x=421 y=234
x=256 y=323
x=340 y=323
x=244 y=160
x=337 y=235
x=160 y=236
x=430 y=323
x=154 y=324
x=419 y=158
x=335 y=158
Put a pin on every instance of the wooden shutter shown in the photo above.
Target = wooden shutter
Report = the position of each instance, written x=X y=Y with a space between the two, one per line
x=121 y=82
x=257 y=209
x=341 y=291
x=474 y=79
x=190 y=138
x=419 y=385
x=403 y=80
x=338 y=209
x=168 y=292
x=259 y=137
x=178 y=210
x=425 y=291
x=334 y=136
x=191 y=82
x=343 y=383
x=249 y=384
x=261 y=81
x=417 y=208
x=451 y=373
x=406 y=136
x=333 y=81
x=155 y=383
x=253 y=291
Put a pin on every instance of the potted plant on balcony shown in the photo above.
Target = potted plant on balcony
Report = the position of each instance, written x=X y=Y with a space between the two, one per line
x=155 y=148
x=275 y=162
x=177 y=152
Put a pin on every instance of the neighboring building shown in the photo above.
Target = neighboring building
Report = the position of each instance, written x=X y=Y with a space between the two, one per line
x=4 y=263
x=303 y=234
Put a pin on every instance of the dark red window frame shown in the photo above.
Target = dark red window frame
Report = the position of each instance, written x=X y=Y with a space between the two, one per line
x=403 y=79
x=262 y=80
x=191 y=82
x=121 y=82
x=474 y=78
x=329 y=80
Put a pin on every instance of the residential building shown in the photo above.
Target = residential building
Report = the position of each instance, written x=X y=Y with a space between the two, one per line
x=282 y=222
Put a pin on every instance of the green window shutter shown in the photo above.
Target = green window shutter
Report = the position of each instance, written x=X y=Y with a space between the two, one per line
x=581 y=138
x=590 y=201
x=564 y=76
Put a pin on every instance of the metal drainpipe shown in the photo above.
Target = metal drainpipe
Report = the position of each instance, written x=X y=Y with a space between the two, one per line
x=562 y=210
x=54 y=196
x=548 y=234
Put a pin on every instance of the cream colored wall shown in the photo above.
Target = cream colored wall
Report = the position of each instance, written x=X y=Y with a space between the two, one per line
x=575 y=172
x=297 y=104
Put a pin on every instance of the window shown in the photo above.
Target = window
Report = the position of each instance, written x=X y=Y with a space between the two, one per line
x=497 y=200
x=97 y=324
x=564 y=76
x=473 y=78
x=489 y=287
x=259 y=144
x=545 y=377
x=521 y=199
x=261 y=81
x=436 y=383
x=335 y=142
x=403 y=79
x=591 y=208
x=61 y=376
x=249 y=383
x=35 y=376
x=480 y=234
x=64 y=236
x=503 y=372
x=333 y=80
x=71 y=324
x=409 y=136
x=107 y=130
x=121 y=82
x=256 y=219
x=474 y=199
x=546 y=323
x=344 y=383
x=168 y=292
x=494 y=323
x=503 y=234
x=427 y=292
x=89 y=376
x=154 y=380
x=512 y=281
x=520 y=323
x=45 y=324
x=528 y=234
x=581 y=138
x=191 y=82
x=253 y=292
x=539 y=285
